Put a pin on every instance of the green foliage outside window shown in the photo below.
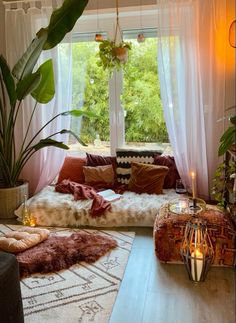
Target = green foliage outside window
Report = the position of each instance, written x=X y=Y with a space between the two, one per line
x=144 y=121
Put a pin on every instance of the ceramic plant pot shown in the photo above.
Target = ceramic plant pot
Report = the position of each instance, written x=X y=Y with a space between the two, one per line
x=122 y=54
x=11 y=198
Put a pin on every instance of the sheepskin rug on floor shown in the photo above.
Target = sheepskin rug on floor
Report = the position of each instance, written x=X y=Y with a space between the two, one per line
x=84 y=292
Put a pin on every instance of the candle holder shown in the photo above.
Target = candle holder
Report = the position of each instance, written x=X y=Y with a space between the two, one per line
x=197 y=250
x=196 y=205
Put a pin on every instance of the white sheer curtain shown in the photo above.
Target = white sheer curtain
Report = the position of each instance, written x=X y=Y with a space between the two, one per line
x=23 y=20
x=191 y=63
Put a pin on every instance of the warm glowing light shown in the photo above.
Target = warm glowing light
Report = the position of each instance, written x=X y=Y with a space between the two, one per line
x=196 y=264
x=193 y=176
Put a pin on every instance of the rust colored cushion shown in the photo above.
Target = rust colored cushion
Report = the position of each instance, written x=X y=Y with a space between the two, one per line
x=172 y=175
x=100 y=174
x=147 y=178
x=72 y=169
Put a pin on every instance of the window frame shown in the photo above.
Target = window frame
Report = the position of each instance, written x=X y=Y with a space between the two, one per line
x=131 y=19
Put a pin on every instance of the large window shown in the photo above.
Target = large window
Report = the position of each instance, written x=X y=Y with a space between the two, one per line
x=141 y=99
x=90 y=92
x=128 y=106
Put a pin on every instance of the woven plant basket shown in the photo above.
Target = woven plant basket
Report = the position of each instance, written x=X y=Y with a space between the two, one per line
x=11 y=198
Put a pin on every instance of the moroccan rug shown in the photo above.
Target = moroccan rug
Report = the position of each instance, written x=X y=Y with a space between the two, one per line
x=84 y=292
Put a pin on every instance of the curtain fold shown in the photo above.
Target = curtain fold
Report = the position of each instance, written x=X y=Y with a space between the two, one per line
x=23 y=20
x=191 y=65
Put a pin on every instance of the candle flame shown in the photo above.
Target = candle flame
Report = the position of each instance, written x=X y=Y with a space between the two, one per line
x=192 y=174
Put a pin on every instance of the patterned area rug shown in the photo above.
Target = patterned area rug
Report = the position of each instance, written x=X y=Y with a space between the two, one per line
x=84 y=292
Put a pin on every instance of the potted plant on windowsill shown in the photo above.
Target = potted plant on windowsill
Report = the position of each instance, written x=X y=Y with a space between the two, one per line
x=15 y=86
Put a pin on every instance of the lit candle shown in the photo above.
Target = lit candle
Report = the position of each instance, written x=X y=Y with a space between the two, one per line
x=196 y=264
x=193 y=184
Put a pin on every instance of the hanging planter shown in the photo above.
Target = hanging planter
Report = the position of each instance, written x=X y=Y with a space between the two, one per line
x=113 y=54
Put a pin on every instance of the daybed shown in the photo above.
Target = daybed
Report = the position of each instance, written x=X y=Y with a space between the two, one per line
x=56 y=209
x=157 y=174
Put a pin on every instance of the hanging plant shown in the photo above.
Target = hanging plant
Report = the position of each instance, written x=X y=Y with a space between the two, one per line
x=112 y=53
x=113 y=56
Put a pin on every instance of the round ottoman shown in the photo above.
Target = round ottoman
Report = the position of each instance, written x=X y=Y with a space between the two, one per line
x=169 y=231
x=11 y=310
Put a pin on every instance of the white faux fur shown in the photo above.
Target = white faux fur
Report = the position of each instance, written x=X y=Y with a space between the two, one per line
x=56 y=209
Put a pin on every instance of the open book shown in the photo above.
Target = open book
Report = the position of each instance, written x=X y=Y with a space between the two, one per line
x=109 y=195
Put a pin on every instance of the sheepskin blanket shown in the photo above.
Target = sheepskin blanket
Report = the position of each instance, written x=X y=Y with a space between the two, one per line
x=61 y=252
x=51 y=208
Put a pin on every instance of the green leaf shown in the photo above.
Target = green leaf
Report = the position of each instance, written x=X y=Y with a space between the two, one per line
x=227 y=139
x=8 y=80
x=233 y=120
x=45 y=91
x=27 y=85
x=64 y=131
x=228 y=133
x=26 y=63
x=62 y=21
x=78 y=113
x=49 y=142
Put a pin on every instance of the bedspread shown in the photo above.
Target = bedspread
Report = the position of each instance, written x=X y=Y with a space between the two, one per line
x=51 y=208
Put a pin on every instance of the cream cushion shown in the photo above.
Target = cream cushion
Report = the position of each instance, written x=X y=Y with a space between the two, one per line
x=22 y=239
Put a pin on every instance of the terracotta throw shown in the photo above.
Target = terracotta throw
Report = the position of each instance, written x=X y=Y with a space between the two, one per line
x=81 y=192
x=61 y=252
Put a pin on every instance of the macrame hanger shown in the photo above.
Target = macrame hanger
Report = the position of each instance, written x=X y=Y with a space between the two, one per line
x=117 y=25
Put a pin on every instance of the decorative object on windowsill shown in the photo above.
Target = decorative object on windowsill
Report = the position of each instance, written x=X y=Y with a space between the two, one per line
x=140 y=37
x=197 y=250
x=15 y=85
x=113 y=54
x=232 y=34
x=98 y=35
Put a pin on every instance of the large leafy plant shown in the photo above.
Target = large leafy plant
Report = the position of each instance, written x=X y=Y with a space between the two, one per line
x=21 y=81
x=229 y=136
x=223 y=179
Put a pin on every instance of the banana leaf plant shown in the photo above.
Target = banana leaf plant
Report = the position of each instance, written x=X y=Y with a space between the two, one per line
x=229 y=136
x=21 y=81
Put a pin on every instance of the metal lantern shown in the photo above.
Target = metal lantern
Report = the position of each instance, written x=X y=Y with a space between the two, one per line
x=197 y=250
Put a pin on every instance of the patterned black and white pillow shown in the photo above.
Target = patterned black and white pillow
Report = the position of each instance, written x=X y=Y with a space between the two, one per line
x=124 y=158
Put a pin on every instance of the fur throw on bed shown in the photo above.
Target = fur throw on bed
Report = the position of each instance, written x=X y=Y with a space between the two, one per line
x=60 y=252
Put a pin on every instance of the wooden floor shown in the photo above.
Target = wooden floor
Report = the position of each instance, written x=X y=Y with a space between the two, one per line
x=152 y=292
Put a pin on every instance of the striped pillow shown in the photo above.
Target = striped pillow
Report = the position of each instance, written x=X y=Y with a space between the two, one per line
x=124 y=158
